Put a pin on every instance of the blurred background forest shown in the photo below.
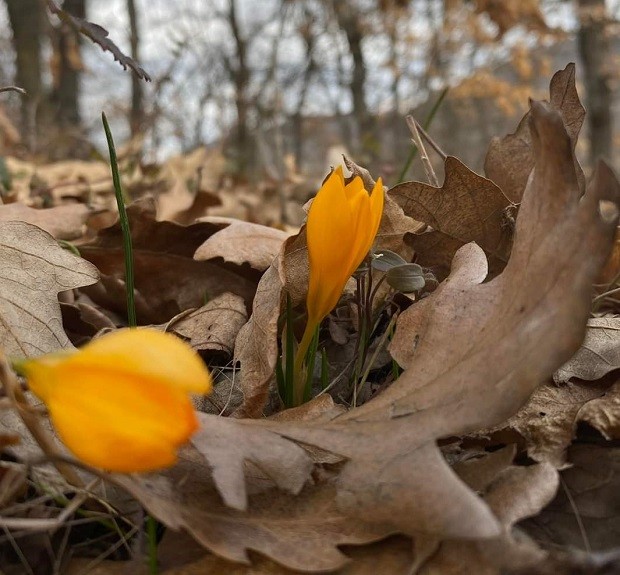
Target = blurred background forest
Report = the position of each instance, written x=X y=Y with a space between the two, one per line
x=277 y=89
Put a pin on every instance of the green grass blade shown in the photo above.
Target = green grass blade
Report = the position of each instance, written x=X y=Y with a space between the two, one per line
x=122 y=215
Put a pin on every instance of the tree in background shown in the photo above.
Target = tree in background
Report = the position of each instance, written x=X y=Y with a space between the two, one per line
x=66 y=67
x=27 y=20
x=263 y=82
x=594 y=48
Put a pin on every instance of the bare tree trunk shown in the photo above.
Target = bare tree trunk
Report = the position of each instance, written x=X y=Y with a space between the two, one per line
x=595 y=55
x=311 y=66
x=241 y=78
x=349 y=21
x=26 y=18
x=136 y=115
x=66 y=92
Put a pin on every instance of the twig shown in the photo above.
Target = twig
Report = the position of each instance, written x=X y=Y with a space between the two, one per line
x=431 y=142
x=428 y=168
x=427 y=123
x=14 y=89
x=582 y=529
x=606 y=294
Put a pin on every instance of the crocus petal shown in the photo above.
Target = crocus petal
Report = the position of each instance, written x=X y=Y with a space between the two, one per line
x=120 y=423
x=121 y=403
x=341 y=227
x=147 y=354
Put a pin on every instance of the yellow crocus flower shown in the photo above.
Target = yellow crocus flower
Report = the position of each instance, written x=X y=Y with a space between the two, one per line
x=342 y=224
x=121 y=403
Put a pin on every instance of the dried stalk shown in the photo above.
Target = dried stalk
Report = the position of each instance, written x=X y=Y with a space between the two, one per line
x=428 y=168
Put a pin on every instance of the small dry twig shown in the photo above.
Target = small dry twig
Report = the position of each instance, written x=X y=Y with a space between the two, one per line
x=428 y=168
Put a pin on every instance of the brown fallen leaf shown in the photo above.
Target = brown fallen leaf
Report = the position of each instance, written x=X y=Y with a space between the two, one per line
x=202 y=201
x=242 y=242
x=167 y=278
x=548 y=421
x=257 y=344
x=473 y=353
x=213 y=327
x=510 y=160
x=467 y=208
x=599 y=354
x=64 y=222
x=393 y=556
x=584 y=514
x=603 y=413
x=513 y=493
x=33 y=270
x=299 y=532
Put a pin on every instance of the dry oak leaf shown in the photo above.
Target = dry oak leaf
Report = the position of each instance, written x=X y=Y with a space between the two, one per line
x=467 y=208
x=510 y=160
x=599 y=354
x=256 y=347
x=167 y=278
x=301 y=532
x=473 y=353
x=395 y=224
x=242 y=242
x=34 y=269
x=593 y=484
x=214 y=326
x=513 y=493
x=65 y=222
x=548 y=421
x=604 y=413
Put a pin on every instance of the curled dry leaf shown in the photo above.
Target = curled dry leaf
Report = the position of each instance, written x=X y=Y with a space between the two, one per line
x=98 y=35
x=604 y=413
x=548 y=421
x=510 y=159
x=213 y=327
x=33 y=270
x=392 y=478
x=467 y=208
x=599 y=354
x=257 y=344
x=242 y=242
x=64 y=222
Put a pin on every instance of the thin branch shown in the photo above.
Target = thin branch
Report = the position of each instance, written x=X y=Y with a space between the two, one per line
x=428 y=168
x=431 y=142
x=14 y=89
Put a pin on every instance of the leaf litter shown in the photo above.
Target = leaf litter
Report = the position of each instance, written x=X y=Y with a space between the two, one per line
x=455 y=454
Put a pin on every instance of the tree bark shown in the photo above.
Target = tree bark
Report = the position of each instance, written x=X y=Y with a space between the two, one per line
x=350 y=22
x=65 y=95
x=594 y=51
x=26 y=18
x=241 y=78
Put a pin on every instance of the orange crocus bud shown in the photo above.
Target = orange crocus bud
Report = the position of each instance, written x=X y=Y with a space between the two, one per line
x=121 y=403
x=342 y=224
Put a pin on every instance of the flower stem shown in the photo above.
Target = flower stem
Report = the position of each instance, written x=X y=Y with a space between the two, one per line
x=299 y=382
